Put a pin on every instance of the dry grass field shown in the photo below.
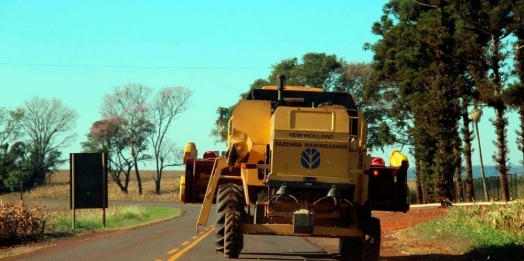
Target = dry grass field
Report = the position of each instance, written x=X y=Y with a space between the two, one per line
x=58 y=187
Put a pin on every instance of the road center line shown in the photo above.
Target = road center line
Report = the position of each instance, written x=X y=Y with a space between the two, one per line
x=187 y=248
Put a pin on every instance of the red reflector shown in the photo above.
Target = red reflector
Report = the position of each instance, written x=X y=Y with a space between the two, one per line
x=249 y=165
x=378 y=161
x=375 y=173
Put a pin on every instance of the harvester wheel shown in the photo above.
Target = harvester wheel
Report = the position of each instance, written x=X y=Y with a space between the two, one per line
x=229 y=197
x=367 y=248
x=233 y=239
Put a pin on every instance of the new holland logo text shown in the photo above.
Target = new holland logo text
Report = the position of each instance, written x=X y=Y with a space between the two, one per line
x=310 y=158
x=311 y=135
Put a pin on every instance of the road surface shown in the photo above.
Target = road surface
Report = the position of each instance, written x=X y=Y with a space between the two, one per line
x=174 y=239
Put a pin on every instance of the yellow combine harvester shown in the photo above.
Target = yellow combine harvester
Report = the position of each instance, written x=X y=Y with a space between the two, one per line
x=297 y=165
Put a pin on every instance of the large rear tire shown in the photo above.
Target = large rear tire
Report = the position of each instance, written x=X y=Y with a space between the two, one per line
x=233 y=239
x=229 y=197
x=367 y=248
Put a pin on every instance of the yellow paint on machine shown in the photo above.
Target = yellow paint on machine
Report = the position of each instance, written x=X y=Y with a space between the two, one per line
x=188 y=247
x=312 y=142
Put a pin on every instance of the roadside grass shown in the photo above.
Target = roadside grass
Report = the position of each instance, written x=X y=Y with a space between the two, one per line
x=479 y=232
x=117 y=217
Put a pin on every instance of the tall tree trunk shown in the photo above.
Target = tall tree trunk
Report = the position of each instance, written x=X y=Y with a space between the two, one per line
x=520 y=139
x=445 y=168
x=500 y=122
x=158 y=179
x=501 y=158
x=424 y=162
x=138 y=180
x=420 y=197
x=116 y=177
x=519 y=68
x=128 y=174
x=459 y=194
x=445 y=158
x=466 y=136
x=137 y=173
x=157 y=186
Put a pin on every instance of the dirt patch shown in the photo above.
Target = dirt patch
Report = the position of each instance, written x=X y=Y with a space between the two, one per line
x=404 y=246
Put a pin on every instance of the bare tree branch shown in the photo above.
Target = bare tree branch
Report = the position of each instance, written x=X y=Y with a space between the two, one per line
x=168 y=104
x=422 y=4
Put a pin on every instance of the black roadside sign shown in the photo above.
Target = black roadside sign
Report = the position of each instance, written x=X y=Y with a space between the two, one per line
x=88 y=180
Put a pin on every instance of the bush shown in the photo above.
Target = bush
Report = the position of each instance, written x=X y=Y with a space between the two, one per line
x=20 y=223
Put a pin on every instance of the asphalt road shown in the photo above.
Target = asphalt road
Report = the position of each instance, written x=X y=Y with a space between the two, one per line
x=174 y=239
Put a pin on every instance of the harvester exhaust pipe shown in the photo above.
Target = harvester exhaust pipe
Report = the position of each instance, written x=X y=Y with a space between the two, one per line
x=281 y=82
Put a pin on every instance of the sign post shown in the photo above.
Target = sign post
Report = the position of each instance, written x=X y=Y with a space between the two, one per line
x=88 y=182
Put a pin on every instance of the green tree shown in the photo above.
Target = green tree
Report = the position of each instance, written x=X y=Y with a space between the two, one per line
x=288 y=67
x=467 y=136
x=373 y=99
x=15 y=166
x=318 y=70
x=515 y=91
x=108 y=135
x=315 y=70
x=417 y=53
x=9 y=129
x=492 y=22
x=9 y=132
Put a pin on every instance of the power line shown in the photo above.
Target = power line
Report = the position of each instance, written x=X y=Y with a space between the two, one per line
x=132 y=66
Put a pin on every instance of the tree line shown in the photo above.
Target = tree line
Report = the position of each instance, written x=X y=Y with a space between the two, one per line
x=447 y=58
x=132 y=129
x=435 y=66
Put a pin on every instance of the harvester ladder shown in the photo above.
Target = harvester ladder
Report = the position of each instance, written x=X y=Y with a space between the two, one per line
x=220 y=164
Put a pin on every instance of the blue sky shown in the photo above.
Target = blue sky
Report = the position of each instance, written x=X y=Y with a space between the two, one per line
x=79 y=50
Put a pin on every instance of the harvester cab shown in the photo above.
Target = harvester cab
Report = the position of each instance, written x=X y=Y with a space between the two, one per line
x=296 y=165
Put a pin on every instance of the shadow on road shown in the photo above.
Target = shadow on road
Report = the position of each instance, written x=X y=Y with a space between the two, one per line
x=317 y=255
x=506 y=253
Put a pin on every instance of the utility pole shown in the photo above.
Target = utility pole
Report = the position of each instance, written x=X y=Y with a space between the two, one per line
x=475 y=117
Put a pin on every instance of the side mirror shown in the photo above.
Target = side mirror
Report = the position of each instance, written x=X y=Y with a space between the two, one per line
x=224 y=114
